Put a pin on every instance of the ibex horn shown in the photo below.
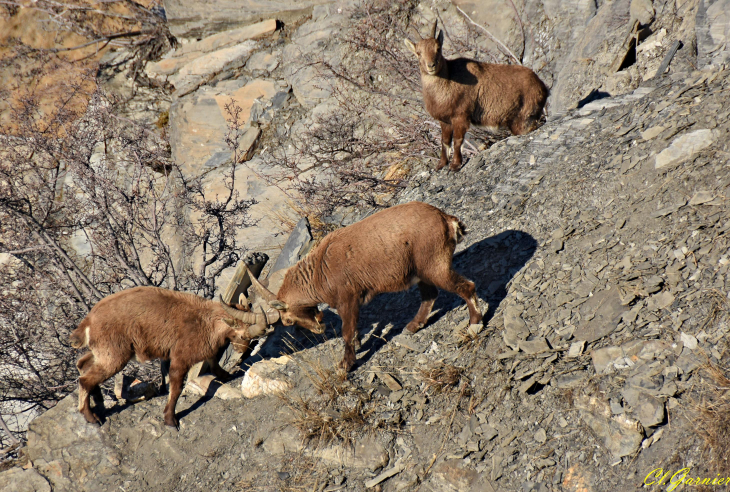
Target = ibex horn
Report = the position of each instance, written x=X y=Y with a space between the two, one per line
x=248 y=318
x=266 y=293
x=271 y=316
x=433 y=34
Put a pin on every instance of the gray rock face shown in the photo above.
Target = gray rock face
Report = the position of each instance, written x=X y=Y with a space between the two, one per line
x=599 y=46
x=198 y=19
x=312 y=43
x=19 y=480
x=294 y=246
x=70 y=453
x=713 y=32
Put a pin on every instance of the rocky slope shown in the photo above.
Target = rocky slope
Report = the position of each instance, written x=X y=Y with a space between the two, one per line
x=599 y=246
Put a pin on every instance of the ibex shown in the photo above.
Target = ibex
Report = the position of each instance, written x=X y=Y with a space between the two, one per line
x=461 y=92
x=389 y=251
x=153 y=323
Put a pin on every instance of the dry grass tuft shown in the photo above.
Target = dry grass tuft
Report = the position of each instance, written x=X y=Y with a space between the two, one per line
x=323 y=424
x=441 y=378
x=719 y=306
x=337 y=411
x=713 y=417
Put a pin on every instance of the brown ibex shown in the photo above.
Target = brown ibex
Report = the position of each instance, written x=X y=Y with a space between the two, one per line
x=153 y=323
x=389 y=251
x=461 y=92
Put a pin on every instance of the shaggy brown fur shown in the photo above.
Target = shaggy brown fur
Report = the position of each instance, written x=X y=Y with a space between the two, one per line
x=152 y=323
x=461 y=92
x=389 y=251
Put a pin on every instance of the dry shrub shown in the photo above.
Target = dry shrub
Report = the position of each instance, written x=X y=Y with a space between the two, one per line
x=713 y=417
x=443 y=377
x=90 y=204
x=337 y=412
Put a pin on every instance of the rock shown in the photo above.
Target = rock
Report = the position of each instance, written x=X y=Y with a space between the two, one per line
x=605 y=357
x=540 y=436
x=385 y=475
x=199 y=70
x=193 y=19
x=263 y=61
x=198 y=122
x=68 y=451
x=649 y=410
x=652 y=132
x=604 y=310
x=712 y=25
x=310 y=85
x=688 y=340
x=515 y=328
x=19 y=480
x=576 y=349
x=579 y=479
x=602 y=41
x=389 y=381
x=701 y=197
x=207 y=385
x=452 y=475
x=618 y=434
x=642 y=11
x=684 y=147
x=410 y=342
x=688 y=362
x=660 y=301
x=266 y=378
x=536 y=346
x=367 y=453
x=283 y=440
x=186 y=53
x=292 y=251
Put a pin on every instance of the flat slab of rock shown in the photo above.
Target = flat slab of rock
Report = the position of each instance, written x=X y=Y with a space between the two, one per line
x=606 y=310
x=201 y=18
x=185 y=54
x=684 y=147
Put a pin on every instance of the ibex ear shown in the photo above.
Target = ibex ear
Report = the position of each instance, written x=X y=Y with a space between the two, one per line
x=410 y=45
x=230 y=322
x=440 y=38
x=278 y=305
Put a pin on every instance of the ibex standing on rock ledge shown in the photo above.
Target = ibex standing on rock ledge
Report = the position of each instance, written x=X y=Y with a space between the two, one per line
x=389 y=251
x=152 y=323
x=461 y=92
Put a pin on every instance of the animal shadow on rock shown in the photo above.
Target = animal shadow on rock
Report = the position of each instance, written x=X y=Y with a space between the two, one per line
x=490 y=264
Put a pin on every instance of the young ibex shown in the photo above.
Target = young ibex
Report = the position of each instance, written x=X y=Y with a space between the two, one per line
x=152 y=323
x=461 y=92
x=389 y=251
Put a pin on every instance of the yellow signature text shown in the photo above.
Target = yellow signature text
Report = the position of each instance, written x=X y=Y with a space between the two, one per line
x=682 y=476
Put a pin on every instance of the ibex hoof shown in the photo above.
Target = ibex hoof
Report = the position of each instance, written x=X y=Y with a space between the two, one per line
x=172 y=422
x=413 y=327
x=92 y=418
